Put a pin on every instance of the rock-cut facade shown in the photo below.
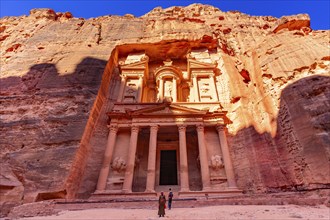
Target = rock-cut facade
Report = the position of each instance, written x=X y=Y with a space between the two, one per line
x=191 y=98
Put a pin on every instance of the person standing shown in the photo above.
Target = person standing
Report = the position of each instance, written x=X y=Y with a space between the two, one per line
x=170 y=196
x=161 y=205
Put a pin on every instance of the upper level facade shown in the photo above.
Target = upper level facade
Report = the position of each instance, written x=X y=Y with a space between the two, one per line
x=187 y=80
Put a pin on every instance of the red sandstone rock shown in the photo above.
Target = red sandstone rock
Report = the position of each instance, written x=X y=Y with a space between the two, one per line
x=2 y=28
x=13 y=47
x=227 y=31
x=43 y=13
x=54 y=94
x=245 y=74
x=68 y=15
x=296 y=22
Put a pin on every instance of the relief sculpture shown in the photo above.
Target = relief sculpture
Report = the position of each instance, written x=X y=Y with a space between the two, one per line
x=168 y=90
x=130 y=93
x=205 y=88
x=216 y=162
x=118 y=164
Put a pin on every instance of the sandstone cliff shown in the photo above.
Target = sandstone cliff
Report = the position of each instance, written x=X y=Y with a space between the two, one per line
x=56 y=80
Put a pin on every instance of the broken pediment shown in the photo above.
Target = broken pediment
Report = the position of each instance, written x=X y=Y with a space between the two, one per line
x=194 y=64
x=140 y=65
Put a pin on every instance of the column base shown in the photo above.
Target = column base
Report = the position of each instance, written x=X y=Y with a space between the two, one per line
x=206 y=188
x=126 y=191
x=232 y=187
x=149 y=191
x=184 y=190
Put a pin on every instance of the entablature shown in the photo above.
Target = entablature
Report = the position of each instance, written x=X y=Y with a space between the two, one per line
x=165 y=112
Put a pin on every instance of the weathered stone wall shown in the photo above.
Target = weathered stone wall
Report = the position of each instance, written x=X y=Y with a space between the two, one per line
x=59 y=77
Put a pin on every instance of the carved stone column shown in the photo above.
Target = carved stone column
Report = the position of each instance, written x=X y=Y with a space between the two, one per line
x=127 y=186
x=121 y=89
x=140 y=90
x=184 y=178
x=161 y=90
x=226 y=157
x=103 y=176
x=213 y=89
x=195 y=86
x=174 y=95
x=203 y=158
x=151 y=175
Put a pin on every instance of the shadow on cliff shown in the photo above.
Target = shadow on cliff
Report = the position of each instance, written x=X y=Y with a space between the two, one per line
x=297 y=158
x=45 y=76
x=43 y=117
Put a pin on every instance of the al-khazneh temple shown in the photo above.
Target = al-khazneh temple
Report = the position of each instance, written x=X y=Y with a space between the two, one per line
x=212 y=104
x=167 y=127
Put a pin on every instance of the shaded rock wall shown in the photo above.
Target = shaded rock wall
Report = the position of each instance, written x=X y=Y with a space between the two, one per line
x=59 y=77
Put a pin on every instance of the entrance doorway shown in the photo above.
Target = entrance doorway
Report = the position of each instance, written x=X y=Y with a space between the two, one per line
x=168 y=168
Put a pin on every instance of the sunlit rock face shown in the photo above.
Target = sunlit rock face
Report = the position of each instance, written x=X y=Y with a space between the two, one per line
x=59 y=77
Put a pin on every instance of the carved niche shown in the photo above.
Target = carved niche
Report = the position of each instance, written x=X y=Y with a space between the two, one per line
x=131 y=90
x=204 y=90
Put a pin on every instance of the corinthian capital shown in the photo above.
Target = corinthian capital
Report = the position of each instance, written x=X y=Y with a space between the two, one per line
x=154 y=128
x=220 y=128
x=200 y=127
x=182 y=128
x=113 y=128
x=135 y=129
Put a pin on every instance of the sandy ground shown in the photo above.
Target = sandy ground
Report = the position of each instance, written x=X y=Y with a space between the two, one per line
x=212 y=212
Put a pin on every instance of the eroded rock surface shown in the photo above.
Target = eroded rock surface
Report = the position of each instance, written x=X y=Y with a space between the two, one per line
x=274 y=82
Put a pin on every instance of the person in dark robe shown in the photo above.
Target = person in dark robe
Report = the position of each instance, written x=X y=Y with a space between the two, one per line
x=161 y=205
x=170 y=196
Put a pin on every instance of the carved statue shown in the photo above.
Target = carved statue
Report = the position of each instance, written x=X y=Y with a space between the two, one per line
x=168 y=90
x=216 y=162
x=131 y=89
x=205 y=88
x=118 y=164
x=130 y=93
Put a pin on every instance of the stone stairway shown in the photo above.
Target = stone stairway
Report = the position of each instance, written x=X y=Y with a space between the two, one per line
x=152 y=203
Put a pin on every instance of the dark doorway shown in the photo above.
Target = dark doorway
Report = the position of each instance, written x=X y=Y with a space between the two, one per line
x=168 y=168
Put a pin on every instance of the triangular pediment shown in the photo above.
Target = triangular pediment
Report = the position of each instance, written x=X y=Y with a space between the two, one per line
x=165 y=109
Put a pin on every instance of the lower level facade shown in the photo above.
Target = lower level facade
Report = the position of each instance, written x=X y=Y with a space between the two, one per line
x=154 y=146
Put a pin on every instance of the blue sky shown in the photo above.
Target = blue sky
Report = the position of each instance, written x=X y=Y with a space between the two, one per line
x=319 y=10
